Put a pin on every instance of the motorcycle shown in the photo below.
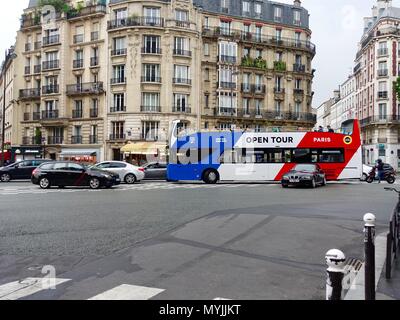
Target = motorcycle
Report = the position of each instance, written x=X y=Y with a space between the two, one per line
x=389 y=176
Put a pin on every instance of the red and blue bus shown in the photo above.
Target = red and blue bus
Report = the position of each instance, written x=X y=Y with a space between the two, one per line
x=250 y=156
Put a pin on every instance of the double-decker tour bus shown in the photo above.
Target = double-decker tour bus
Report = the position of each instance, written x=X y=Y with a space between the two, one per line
x=248 y=156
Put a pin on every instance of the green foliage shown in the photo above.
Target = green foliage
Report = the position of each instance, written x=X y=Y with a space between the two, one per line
x=280 y=66
x=259 y=63
x=59 y=5
x=397 y=87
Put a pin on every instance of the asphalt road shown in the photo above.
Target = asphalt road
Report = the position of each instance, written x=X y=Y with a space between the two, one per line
x=186 y=241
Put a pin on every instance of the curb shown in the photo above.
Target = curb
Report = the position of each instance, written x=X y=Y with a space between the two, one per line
x=357 y=289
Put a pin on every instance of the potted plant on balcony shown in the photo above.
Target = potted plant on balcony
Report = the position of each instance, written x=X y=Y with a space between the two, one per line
x=247 y=61
x=260 y=63
x=280 y=66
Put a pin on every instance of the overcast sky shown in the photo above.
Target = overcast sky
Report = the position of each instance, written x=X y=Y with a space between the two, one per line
x=336 y=25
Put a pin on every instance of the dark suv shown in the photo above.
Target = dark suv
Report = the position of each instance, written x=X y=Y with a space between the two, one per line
x=20 y=170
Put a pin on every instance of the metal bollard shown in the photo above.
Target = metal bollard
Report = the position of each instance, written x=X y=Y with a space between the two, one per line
x=369 y=240
x=335 y=260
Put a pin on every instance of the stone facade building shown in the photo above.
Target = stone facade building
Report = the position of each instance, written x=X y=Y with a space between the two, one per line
x=104 y=80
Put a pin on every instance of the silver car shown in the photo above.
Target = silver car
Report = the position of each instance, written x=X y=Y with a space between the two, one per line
x=128 y=173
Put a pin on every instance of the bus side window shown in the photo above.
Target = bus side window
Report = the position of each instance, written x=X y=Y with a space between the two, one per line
x=287 y=156
x=301 y=156
x=314 y=156
x=331 y=156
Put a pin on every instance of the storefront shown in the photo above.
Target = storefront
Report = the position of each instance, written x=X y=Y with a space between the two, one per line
x=26 y=153
x=144 y=152
x=86 y=156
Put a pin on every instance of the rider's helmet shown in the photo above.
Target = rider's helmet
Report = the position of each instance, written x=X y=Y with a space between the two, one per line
x=379 y=161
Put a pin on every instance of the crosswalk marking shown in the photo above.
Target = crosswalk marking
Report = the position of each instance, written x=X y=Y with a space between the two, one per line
x=128 y=292
x=23 y=288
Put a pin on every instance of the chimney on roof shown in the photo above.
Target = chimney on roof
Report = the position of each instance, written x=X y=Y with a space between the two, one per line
x=297 y=3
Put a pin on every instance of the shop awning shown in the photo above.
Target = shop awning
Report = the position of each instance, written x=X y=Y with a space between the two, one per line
x=78 y=152
x=144 y=148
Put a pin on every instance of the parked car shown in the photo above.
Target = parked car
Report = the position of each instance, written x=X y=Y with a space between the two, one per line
x=304 y=175
x=128 y=173
x=70 y=174
x=21 y=170
x=155 y=171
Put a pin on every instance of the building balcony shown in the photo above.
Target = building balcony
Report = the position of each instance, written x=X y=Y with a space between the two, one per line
x=179 y=24
x=380 y=119
x=94 y=36
x=150 y=79
x=94 y=113
x=93 y=139
x=117 y=109
x=280 y=66
x=239 y=35
x=117 y=137
x=85 y=89
x=55 y=140
x=180 y=109
x=136 y=22
x=51 y=40
x=150 y=109
x=77 y=114
x=98 y=9
x=119 y=52
x=30 y=22
x=50 y=89
x=76 y=140
x=29 y=93
x=182 y=53
x=77 y=64
x=79 y=38
x=298 y=92
x=115 y=81
x=36 y=116
x=182 y=81
x=38 y=45
x=49 y=114
x=227 y=59
x=37 y=69
x=227 y=85
x=383 y=72
x=383 y=95
x=50 y=65
x=253 y=89
x=31 y=141
x=300 y=68
x=225 y=112
x=152 y=50
x=94 y=61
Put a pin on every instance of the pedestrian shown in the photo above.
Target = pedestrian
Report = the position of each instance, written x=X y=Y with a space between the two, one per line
x=321 y=129
x=330 y=130
x=381 y=172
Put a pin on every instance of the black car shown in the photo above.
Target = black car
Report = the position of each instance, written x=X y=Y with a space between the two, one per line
x=71 y=174
x=309 y=175
x=155 y=171
x=20 y=170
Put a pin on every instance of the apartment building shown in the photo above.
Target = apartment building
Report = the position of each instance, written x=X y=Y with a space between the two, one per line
x=256 y=66
x=8 y=110
x=377 y=68
x=104 y=80
x=154 y=69
x=62 y=80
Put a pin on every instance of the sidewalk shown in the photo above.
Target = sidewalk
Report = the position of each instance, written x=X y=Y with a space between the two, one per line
x=390 y=289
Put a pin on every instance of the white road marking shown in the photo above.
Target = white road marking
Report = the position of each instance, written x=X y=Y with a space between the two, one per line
x=23 y=288
x=128 y=292
x=222 y=299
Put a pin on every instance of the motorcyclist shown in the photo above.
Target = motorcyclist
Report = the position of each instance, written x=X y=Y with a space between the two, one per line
x=381 y=172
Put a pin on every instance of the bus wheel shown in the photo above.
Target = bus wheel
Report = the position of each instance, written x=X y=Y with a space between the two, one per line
x=210 y=177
